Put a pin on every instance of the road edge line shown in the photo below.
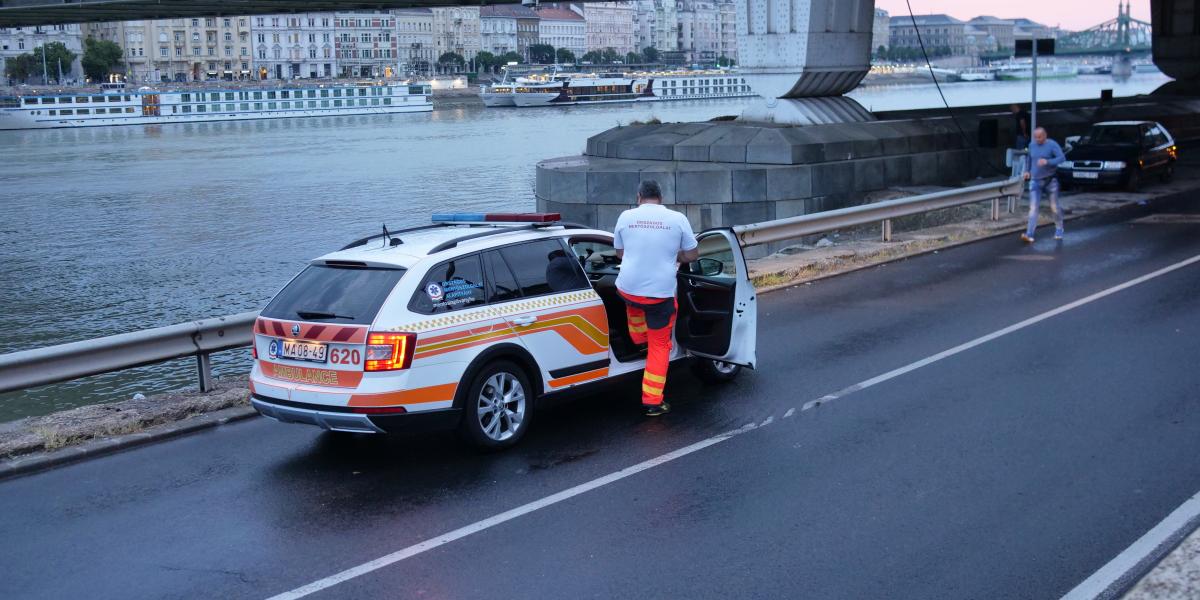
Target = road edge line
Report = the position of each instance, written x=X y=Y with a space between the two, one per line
x=1127 y=568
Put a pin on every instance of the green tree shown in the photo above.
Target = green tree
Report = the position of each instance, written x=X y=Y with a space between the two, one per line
x=725 y=61
x=633 y=58
x=565 y=56
x=593 y=57
x=99 y=58
x=650 y=54
x=509 y=57
x=20 y=67
x=541 y=53
x=57 y=55
x=451 y=60
x=485 y=60
x=610 y=55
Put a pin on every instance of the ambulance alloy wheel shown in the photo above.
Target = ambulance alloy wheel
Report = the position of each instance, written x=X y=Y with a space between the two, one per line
x=497 y=407
x=715 y=371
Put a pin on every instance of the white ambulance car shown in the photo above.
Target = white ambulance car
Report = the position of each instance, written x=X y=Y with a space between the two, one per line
x=467 y=322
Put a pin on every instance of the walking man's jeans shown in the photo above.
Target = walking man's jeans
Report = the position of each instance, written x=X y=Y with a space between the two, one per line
x=1038 y=188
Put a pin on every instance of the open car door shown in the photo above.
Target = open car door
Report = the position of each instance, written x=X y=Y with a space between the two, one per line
x=717 y=309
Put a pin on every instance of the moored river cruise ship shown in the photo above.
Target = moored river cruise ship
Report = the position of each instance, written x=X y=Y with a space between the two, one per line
x=576 y=88
x=114 y=105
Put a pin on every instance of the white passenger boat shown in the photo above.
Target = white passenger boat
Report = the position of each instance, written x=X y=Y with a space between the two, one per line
x=629 y=87
x=111 y=105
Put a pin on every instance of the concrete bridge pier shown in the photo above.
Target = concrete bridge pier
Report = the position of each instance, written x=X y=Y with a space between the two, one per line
x=1176 y=44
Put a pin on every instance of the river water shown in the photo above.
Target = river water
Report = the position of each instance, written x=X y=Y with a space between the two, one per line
x=114 y=229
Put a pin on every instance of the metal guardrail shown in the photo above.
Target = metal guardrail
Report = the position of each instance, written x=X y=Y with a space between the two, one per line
x=30 y=368
x=855 y=216
x=64 y=362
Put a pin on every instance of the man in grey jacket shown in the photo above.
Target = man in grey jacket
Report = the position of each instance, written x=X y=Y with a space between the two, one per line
x=1043 y=160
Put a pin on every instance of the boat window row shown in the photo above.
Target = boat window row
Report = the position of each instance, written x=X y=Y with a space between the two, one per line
x=283 y=105
x=285 y=94
x=734 y=89
x=70 y=112
x=77 y=99
x=702 y=82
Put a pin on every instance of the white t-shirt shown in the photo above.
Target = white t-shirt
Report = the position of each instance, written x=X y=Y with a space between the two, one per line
x=651 y=236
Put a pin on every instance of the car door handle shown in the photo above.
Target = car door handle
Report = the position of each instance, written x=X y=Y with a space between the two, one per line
x=523 y=320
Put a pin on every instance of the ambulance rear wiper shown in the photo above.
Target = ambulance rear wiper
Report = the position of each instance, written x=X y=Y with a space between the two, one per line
x=318 y=314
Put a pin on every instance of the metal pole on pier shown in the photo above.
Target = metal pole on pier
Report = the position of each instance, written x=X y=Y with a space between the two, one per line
x=45 y=72
x=1033 y=104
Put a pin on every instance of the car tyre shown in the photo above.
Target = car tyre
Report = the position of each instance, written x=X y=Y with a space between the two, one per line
x=711 y=370
x=1133 y=181
x=497 y=406
x=1168 y=173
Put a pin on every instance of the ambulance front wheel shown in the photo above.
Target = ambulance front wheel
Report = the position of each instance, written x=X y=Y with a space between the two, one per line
x=715 y=371
x=497 y=407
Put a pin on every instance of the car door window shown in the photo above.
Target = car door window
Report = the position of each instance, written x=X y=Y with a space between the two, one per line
x=543 y=267
x=597 y=258
x=453 y=285
x=504 y=285
x=716 y=260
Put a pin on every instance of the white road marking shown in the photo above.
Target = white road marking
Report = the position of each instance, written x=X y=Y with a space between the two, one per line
x=789 y=413
x=503 y=517
x=582 y=488
x=1112 y=577
x=768 y=421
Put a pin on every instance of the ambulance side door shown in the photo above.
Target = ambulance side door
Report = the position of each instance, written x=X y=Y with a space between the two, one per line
x=559 y=318
x=718 y=314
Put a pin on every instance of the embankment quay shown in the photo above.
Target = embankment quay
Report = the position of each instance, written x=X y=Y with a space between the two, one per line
x=145 y=201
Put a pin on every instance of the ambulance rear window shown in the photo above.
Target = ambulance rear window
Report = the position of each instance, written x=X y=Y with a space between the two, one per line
x=333 y=294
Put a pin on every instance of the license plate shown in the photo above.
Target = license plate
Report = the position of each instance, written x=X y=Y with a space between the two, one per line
x=303 y=351
x=1085 y=175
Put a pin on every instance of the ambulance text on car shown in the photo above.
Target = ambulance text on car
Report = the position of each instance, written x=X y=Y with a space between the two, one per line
x=467 y=322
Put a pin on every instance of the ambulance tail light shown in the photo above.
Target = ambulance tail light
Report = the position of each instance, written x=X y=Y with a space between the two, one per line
x=389 y=351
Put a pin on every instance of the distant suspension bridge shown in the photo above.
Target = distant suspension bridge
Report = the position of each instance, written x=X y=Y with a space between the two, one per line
x=1122 y=35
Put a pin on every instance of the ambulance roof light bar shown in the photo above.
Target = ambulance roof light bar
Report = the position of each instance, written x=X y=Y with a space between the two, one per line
x=482 y=218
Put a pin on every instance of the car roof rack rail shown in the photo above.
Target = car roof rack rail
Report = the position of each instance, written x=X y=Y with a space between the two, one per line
x=363 y=241
x=498 y=229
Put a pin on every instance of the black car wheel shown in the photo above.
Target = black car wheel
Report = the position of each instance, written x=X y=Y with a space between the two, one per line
x=1134 y=180
x=715 y=371
x=497 y=406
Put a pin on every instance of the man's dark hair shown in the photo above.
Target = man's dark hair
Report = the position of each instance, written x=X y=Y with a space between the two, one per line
x=649 y=189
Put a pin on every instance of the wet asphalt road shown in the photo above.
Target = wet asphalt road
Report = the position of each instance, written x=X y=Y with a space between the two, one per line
x=1012 y=470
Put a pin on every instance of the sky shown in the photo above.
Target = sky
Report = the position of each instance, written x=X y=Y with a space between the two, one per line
x=1069 y=14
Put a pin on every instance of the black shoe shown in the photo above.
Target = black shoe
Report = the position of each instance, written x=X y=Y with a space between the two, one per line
x=654 y=410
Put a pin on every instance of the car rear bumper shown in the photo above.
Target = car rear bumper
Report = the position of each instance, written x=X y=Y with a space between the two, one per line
x=333 y=419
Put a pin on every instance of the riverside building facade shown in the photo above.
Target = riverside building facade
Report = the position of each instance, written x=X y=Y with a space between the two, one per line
x=294 y=46
x=15 y=41
x=196 y=49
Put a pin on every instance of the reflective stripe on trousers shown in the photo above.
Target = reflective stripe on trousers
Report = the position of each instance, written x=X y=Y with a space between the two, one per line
x=658 y=352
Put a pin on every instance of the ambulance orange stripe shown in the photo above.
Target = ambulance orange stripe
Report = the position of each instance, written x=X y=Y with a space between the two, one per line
x=579 y=377
x=598 y=335
x=433 y=393
x=349 y=334
x=500 y=335
x=582 y=343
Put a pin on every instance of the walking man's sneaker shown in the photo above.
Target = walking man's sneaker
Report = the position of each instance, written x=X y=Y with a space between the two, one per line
x=1026 y=239
x=1058 y=234
x=654 y=410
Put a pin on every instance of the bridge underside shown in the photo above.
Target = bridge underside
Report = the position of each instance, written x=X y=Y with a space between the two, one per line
x=18 y=13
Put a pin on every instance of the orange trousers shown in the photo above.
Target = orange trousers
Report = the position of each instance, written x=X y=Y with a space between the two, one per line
x=658 y=352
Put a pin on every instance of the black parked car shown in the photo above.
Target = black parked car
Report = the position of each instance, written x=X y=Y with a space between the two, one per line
x=1120 y=153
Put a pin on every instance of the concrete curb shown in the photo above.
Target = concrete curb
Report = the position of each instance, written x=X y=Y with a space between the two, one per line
x=33 y=463
x=955 y=244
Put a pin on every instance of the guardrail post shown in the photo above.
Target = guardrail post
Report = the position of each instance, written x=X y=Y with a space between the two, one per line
x=887 y=230
x=995 y=209
x=204 y=372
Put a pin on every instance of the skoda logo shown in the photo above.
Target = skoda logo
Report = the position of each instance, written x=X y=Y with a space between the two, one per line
x=295 y=330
